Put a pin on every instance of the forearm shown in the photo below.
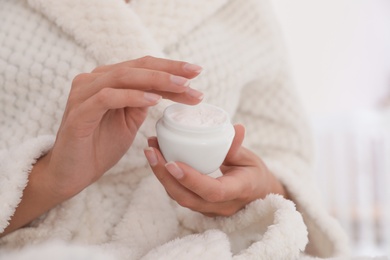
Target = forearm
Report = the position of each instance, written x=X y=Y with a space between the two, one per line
x=38 y=197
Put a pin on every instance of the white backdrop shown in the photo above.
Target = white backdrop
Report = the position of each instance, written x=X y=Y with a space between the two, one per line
x=339 y=51
x=340 y=56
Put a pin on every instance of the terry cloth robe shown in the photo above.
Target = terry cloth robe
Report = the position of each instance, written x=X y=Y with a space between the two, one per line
x=127 y=214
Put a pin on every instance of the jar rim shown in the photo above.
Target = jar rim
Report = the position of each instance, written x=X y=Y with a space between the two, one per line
x=169 y=121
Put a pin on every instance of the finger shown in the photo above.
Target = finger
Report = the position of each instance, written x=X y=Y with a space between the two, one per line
x=96 y=106
x=184 y=196
x=153 y=142
x=223 y=196
x=157 y=163
x=214 y=190
x=190 y=97
x=176 y=191
x=142 y=79
x=164 y=84
x=81 y=87
x=210 y=189
x=238 y=155
x=186 y=95
x=237 y=141
x=181 y=68
x=84 y=79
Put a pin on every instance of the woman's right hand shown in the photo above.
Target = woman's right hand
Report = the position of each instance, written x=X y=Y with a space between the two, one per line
x=104 y=111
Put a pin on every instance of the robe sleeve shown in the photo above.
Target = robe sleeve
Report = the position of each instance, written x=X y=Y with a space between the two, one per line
x=15 y=166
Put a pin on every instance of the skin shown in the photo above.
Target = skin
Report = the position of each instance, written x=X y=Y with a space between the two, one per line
x=104 y=111
x=244 y=179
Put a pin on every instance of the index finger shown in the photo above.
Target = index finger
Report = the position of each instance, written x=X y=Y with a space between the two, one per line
x=180 y=68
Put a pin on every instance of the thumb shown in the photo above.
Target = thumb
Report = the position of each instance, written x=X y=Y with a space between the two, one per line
x=236 y=144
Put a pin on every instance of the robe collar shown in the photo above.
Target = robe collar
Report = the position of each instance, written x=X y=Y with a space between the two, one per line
x=113 y=31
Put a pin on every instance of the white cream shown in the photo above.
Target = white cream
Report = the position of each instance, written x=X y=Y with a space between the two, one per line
x=199 y=116
x=199 y=136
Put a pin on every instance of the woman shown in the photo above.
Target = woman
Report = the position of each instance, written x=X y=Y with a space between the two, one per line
x=73 y=165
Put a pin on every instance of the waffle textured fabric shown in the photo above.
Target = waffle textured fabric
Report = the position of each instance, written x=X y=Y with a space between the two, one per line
x=127 y=214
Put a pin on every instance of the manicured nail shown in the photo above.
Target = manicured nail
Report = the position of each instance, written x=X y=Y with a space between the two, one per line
x=193 y=68
x=151 y=156
x=181 y=81
x=152 y=97
x=174 y=170
x=151 y=139
x=195 y=93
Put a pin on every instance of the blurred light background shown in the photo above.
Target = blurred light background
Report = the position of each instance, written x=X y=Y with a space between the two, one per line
x=340 y=57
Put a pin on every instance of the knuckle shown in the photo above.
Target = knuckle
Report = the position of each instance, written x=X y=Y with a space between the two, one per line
x=102 y=96
x=120 y=74
x=80 y=78
x=144 y=61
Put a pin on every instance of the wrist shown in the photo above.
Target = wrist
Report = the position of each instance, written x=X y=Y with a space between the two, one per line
x=38 y=197
x=42 y=180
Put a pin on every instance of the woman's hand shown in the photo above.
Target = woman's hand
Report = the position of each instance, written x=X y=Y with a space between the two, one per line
x=104 y=111
x=245 y=179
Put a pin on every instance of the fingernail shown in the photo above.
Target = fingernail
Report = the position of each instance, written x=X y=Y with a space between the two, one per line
x=174 y=170
x=195 y=93
x=151 y=156
x=152 y=97
x=193 y=68
x=151 y=139
x=181 y=81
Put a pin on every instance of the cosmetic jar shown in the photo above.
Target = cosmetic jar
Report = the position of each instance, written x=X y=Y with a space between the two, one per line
x=199 y=135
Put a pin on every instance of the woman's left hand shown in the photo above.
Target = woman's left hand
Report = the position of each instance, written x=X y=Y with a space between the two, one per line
x=244 y=179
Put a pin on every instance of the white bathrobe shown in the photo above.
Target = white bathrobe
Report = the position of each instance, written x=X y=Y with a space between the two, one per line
x=127 y=214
